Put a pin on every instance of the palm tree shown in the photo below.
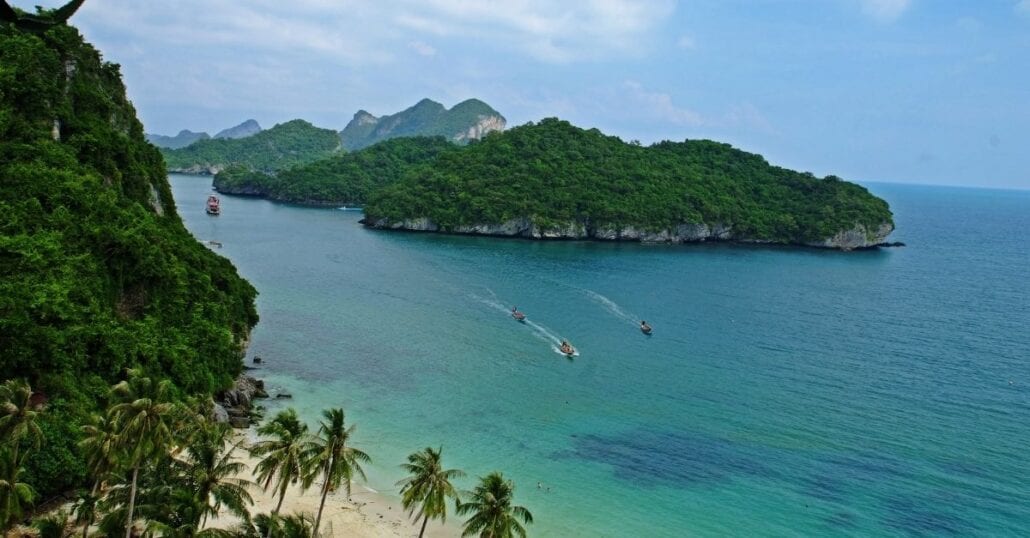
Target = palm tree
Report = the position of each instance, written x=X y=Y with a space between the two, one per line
x=428 y=486
x=18 y=417
x=210 y=473
x=143 y=418
x=100 y=448
x=17 y=423
x=292 y=526
x=492 y=514
x=282 y=456
x=14 y=495
x=328 y=456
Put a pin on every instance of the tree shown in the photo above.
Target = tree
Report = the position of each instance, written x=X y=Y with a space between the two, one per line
x=492 y=514
x=282 y=455
x=143 y=419
x=14 y=495
x=328 y=456
x=428 y=487
x=100 y=448
x=17 y=424
x=18 y=417
x=210 y=473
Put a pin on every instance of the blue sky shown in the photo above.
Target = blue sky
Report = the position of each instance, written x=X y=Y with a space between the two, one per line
x=919 y=91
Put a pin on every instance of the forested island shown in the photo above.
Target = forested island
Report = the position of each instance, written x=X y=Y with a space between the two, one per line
x=552 y=180
x=342 y=179
x=287 y=144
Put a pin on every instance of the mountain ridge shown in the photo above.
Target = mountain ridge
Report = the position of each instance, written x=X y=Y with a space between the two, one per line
x=468 y=120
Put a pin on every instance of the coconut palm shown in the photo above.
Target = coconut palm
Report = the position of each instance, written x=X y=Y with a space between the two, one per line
x=292 y=526
x=330 y=458
x=428 y=487
x=143 y=420
x=17 y=425
x=15 y=496
x=282 y=454
x=18 y=417
x=492 y=513
x=210 y=473
x=99 y=446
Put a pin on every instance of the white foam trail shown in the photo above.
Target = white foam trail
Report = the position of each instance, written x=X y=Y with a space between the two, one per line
x=612 y=307
x=540 y=329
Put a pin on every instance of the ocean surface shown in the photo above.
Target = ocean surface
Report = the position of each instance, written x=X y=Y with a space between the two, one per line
x=785 y=392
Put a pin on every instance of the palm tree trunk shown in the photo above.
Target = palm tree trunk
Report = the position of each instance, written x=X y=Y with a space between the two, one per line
x=92 y=499
x=321 y=505
x=132 y=502
x=425 y=519
x=271 y=522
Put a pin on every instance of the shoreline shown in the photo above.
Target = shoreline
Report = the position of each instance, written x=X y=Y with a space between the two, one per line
x=365 y=514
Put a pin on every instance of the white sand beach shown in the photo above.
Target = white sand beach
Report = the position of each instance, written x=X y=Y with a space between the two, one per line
x=366 y=514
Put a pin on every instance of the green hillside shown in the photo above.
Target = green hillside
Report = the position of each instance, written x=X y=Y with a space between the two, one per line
x=97 y=271
x=287 y=144
x=343 y=179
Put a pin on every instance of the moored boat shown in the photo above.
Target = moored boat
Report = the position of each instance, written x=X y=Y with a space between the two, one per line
x=213 y=206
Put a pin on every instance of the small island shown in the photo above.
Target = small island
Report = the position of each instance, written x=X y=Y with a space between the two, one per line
x=552 y=180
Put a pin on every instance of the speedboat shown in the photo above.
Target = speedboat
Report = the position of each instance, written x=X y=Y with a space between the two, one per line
x=645 y=328
x=519 y=316
x=567 y=349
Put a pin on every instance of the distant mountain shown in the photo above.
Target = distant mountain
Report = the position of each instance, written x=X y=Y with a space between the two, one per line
x=468 y=120
x=288 y=144
x=243 y=130
x=181 y=140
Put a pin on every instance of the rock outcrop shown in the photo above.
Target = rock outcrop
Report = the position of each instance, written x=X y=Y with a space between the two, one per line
x=234 y=405
x=858 y=237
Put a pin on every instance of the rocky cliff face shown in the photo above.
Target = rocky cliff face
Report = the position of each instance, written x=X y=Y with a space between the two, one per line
x=856 y=238
x=486 y=124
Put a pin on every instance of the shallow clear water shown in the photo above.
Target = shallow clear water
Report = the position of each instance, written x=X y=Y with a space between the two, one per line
x=784 y=392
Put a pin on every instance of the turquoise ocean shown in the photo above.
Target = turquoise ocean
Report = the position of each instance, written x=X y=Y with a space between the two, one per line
x=785 y=392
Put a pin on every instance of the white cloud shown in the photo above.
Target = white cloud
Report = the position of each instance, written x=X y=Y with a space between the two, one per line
x=422 y=48
x=660 y=106
x=885 y=10
x=1023 y=7
x=369 y=31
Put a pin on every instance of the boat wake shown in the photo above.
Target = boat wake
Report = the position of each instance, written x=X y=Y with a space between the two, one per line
x=539 y=331
x=612 y=307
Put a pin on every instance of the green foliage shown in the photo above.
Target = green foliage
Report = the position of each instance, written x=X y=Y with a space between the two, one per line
x=97 y=272
x=425 y=492
x=491 y=512
x=426 y=118
x=288 y=144
x=329 y=457
x=555 y=174
x=347 y=178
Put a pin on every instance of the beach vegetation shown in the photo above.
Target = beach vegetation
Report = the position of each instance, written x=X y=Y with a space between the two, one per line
x=491 y=511
x=329 y=457
x=428 y=487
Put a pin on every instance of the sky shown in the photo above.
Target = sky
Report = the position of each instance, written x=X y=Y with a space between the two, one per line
x=912 y=91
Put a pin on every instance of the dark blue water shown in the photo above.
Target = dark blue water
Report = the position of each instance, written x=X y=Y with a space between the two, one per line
x=784 y=392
